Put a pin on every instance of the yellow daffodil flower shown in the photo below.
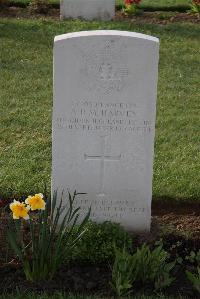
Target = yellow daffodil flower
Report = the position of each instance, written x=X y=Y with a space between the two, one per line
x=36 y=202
x=20 y=210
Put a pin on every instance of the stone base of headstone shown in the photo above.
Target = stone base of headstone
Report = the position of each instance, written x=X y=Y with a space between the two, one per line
x=87 y=9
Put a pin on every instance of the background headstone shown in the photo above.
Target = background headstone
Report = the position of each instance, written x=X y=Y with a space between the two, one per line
x=105 y=85
x=87 y=9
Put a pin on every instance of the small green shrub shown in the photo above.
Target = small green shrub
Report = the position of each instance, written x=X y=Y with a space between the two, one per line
x=152 y=266
x=195 y=7
x=194 y=279
x=122 y=273
x=98 y=244
x=194 y=257
x=131 y=7
x=146 y=267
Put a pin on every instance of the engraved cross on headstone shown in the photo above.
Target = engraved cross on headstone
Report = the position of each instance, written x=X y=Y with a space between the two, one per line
x=102 y=157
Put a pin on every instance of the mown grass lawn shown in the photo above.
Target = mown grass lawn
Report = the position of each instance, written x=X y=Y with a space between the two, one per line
x=26 y=105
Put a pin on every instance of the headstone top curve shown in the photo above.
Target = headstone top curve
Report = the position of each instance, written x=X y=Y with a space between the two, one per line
x=105 y=33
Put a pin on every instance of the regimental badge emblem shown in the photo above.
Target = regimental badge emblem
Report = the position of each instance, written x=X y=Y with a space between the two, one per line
x=105 y=69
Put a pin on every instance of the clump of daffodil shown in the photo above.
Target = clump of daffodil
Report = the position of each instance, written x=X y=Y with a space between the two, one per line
x=49 y=239
x=36 y=202
x=20 y=210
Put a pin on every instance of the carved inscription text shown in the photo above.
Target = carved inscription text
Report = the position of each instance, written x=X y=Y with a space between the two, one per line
x=104 y=117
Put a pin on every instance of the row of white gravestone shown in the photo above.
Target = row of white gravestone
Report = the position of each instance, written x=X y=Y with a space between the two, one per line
x=88 y=9
x=104 y=111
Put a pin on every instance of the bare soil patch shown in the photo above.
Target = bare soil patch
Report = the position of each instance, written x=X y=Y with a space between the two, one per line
x=182 y=217
x=159 y=17
x=177 y=224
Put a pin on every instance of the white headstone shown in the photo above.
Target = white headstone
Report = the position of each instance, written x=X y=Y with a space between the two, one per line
x=105 y=85
x=87 y=9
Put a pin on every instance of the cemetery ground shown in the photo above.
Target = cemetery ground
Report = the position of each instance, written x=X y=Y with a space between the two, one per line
x=162 y=12
x=166 y=4
x=64 y=296
x=25 y=144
